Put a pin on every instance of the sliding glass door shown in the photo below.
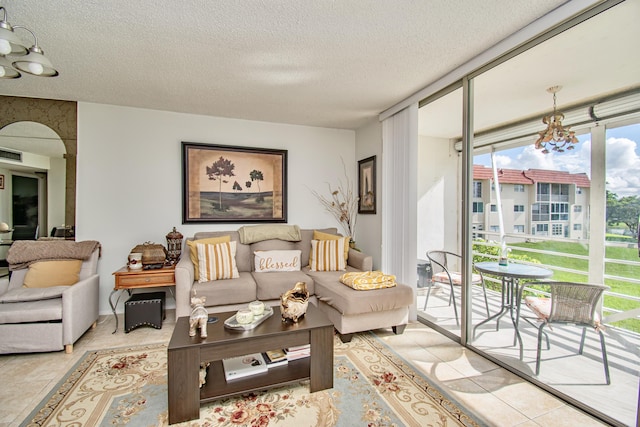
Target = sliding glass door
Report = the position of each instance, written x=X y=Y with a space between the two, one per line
x=439 y=208
x=563 y=214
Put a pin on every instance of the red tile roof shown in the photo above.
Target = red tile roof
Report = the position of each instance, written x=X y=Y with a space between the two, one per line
x=482 y=172
x=505 y=176
x=531 y=176
x=558 y=177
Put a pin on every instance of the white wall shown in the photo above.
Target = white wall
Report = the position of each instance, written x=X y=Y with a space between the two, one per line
x=369 y=226
x=30 y=160
x=129 y=179
x=438 y=204
x=56 y=181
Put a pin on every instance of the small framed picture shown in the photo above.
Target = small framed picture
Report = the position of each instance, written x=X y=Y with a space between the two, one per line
x=367 y=185
x=1 y=182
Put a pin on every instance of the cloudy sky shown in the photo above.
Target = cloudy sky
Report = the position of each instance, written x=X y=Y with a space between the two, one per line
x=623 y=159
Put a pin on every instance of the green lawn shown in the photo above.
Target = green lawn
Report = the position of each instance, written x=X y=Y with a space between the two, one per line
x=618 y=286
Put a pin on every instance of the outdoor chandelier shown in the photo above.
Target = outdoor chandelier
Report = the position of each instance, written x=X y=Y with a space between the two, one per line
x=555 y=137
x=30 y=60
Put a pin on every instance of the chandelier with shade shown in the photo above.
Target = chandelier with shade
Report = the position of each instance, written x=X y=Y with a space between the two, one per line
x=30 y=60
x=555 y=137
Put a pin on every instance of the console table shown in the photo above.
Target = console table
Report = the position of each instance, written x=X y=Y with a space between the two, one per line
x=127 y=279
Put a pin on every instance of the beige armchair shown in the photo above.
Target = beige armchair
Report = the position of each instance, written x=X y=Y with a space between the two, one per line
x=48 y=318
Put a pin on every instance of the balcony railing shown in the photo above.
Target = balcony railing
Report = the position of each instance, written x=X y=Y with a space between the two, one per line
x=611 y=314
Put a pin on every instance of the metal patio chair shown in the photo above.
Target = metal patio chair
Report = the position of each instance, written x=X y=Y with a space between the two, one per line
x=570 y=303
x=443 y=264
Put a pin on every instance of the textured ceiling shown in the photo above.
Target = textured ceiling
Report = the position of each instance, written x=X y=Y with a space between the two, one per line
x=309 y=62
x=594 y=59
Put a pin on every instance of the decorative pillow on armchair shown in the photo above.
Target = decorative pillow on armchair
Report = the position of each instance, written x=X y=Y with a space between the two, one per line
x=217 y=262
x=327 y=255
x=267 y=261
x=44 y=274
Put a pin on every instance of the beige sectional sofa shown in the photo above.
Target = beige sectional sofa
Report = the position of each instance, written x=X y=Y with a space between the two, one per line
x=350 y=310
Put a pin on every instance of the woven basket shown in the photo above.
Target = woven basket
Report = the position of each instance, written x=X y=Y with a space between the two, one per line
x=152 y=253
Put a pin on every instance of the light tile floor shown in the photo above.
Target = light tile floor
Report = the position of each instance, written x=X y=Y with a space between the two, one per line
x=494 y=394
x=579 y=376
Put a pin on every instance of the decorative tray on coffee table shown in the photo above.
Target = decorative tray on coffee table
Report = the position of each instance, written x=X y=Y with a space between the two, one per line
x=232 y=323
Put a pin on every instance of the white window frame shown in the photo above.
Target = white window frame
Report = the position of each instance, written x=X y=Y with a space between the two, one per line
x=477 y=189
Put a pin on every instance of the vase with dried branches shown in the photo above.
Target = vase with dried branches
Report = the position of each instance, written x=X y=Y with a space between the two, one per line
x=342 y=203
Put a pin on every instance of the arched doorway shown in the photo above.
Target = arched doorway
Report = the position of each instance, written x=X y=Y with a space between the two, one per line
x=42 y=168
x=62 y=118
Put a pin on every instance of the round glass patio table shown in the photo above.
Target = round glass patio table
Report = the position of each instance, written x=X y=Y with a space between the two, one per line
x=511 y=275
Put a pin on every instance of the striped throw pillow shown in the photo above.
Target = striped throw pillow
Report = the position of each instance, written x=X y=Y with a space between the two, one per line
x=327 y=255
x=319 y=235
x=217 y=262
x=193 y=250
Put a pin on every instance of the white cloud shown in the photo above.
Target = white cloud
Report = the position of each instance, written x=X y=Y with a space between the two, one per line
x=577 y=160
x=504 y=162
x=530 y=158
x=623 y=167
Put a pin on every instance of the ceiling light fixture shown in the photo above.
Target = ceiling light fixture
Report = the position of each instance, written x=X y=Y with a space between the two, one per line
x=32 y=59
x=555 y=136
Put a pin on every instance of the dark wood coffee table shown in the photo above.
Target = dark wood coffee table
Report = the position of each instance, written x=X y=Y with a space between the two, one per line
x=185 y=354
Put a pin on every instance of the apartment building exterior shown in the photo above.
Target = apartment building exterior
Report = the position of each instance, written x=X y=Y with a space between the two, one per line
x=535 y=202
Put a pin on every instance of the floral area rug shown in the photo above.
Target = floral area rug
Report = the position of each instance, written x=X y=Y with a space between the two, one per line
x=373 y=386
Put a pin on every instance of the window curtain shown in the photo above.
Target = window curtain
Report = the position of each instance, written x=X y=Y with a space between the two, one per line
x=399 y=196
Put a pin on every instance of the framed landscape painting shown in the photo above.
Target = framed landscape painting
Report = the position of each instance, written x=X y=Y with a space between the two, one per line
x=367 y=185
x=233 y=184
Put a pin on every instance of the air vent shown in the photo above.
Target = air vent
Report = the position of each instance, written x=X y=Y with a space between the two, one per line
x=10 y=155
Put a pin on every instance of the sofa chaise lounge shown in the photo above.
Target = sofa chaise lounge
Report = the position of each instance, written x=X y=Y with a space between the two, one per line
x=348 y=309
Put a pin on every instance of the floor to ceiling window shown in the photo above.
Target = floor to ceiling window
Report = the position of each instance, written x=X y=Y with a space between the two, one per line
x=439 y=186
x=622 y=254
x=571 y=216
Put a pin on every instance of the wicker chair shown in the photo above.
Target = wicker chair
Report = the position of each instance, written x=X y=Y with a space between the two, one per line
x=442 y=267
x=570 y=303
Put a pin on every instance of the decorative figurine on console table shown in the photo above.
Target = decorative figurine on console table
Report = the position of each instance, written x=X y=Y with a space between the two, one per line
x=174 y=246
x=199 y=316
x=294 y=302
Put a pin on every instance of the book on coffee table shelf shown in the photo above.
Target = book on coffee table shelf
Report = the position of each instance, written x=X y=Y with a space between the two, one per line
x=244 y=366
x=298 y=352
x=275 y=358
